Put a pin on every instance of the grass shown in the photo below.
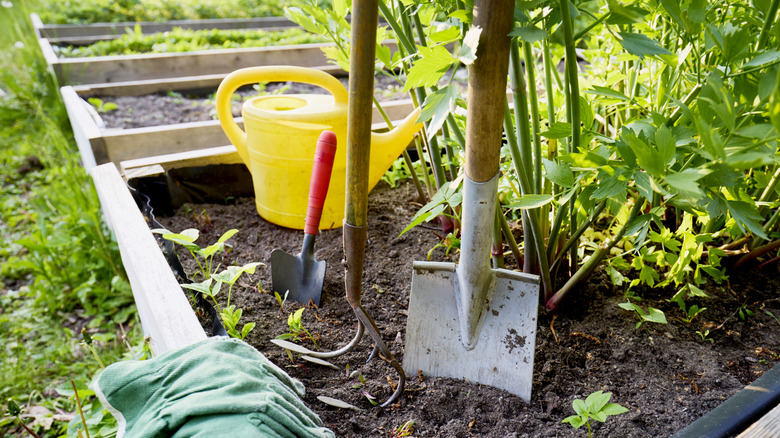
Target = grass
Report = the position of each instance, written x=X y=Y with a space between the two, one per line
x=60 y=265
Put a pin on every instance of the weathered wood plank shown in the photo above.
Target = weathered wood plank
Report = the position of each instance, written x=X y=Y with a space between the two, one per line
x=102 y=69
x=766 y=426
x=97 y=31
x=88 y=135
x=165 y=313
x=159 y=164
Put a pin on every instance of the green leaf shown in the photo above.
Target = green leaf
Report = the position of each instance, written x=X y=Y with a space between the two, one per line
x=764 y=58
x=747 y=215
x=558 y=172
x=610 y=187
x=340 y=7
x=468 y=50
x=428 y=70
x=640 y=45
x=614 y=409
x=631 y=307
x=444 y=36
x=530 y=34
x=575 y=420
x=665 y=143
x=580 y=407
x=530 y=201
x=643 y=184
x=654 y=315
x=203 y=287
x=437 y=106
x=586 y=113
x=685 y=182
x=597 y=400
x=228 y=234
x=558 y=130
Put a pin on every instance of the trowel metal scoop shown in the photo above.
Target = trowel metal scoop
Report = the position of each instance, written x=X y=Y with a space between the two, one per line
x=468 y=320
x=301 y=276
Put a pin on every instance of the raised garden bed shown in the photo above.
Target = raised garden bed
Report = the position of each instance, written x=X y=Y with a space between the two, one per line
x=666 y=375
x=122 y=68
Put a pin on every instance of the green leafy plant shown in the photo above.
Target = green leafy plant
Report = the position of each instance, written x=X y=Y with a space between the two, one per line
x=296 y=328
x=595 y=407
x=229 y=314
x=98 y=11
x=187 y=40
x=705 y=335
x=650 y=315
x=204 y=257
x=102 y=107
x=281 y=299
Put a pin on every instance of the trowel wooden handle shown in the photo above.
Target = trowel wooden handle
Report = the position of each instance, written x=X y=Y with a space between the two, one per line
x=320 y=179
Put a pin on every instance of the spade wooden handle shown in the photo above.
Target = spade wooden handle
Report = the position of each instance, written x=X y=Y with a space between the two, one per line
x=487 y=88
x=320 y=179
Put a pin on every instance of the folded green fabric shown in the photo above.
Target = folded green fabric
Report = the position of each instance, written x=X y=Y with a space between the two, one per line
x=216 y=387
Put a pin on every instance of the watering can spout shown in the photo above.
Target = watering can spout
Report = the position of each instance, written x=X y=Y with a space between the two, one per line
x=387 y=146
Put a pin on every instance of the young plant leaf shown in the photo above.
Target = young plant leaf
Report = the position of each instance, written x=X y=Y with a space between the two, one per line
x=531 y=201
x=640 y=45
x=428 y=70
x=468 y=51
x=558 y=172
x=437 y=106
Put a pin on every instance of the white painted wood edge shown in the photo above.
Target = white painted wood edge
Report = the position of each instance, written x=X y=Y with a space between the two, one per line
x=166 y=315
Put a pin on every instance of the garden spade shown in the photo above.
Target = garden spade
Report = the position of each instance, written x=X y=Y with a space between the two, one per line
x=469 y=320
x=301 y=276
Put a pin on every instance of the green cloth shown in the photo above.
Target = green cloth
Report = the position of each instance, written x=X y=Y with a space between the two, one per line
x=216 y=387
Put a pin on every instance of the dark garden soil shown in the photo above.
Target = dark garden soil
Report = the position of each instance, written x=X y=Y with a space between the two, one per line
x=666 y=375
x=174 y=107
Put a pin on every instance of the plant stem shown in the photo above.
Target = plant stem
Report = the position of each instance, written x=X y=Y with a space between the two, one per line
x=574 y=238
x=594 y=260
x=768 y=22
x=81 y=411
x=523 y=129
x=572 y=102
x=510 y=238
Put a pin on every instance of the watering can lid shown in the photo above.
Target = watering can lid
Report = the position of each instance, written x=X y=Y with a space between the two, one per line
x=294 y=107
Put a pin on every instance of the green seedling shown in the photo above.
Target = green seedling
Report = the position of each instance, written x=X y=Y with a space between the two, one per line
x=204 y=257
x=102 y=107
x=281 y=300
x=371 y=399
x=595 y=407
x=773 y=316
x=745 y=313
x=705 y=335
x=650 y=315
x=448 y=243
x=403 y=430
x=211 y=287
x=296 y=328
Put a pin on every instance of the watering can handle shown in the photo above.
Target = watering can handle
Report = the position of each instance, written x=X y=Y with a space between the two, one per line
x=324 y=156
x=251 y=75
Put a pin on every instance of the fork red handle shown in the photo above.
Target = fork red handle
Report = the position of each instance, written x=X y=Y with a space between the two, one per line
x=320 y=179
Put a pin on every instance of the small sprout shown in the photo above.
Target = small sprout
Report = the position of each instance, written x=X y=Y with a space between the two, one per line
x=403 y=430
x=595 y=407
x=371 y=398
x=704 y=335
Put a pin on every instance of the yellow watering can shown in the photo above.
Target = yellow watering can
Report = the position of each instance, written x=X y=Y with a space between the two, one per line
x=281 y=135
